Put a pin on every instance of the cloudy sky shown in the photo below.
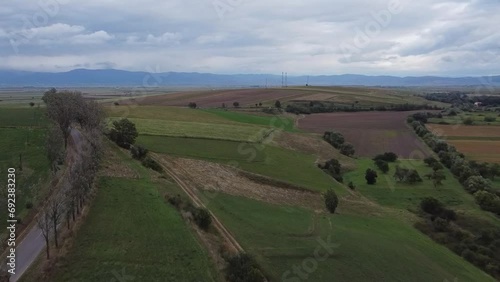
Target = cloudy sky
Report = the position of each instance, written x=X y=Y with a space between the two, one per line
x=393 y=37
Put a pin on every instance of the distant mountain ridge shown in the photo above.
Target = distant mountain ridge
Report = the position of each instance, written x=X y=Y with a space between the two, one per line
x=112 y=77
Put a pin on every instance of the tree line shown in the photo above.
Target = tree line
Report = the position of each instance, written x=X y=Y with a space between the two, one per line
x=313 y=107
x=70 y=112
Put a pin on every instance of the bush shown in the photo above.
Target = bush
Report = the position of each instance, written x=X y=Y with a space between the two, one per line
x=468 y=121
x=236 y=104
x=138 y=152
x=371 y=176
x=202 y=218
x=351 y=186
x=440 y=225
x=29 y=205
x=175 y=201
x=347 y=149
x=192 y=105
x=152 y=164
x=490 y=119
x=389 y=157
x=331 y=201
x=123 y=133
x=382 y=165
x=488 y=201
x=334 y=138
x=243 y=268
x=431 y=206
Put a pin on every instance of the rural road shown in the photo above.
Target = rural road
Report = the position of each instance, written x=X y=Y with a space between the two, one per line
x=198 y=203
x=34 y=243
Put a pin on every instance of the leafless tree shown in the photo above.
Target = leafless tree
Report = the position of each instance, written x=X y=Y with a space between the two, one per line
x=56 y=210
x=44 y=223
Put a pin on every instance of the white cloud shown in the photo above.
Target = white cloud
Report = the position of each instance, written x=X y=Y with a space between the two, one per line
x=301 y=37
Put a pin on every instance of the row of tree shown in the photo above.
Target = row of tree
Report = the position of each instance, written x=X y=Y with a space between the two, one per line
x=472 y=175
x=313 y=107
x=73 y=115
x=337 y=140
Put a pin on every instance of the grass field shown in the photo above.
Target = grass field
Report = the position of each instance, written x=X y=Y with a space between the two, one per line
x=285 y=165
x=283 y=123
x=366 y=248
x=22 y=117
x=388 y=192
x=131 y=228
x=246 y=133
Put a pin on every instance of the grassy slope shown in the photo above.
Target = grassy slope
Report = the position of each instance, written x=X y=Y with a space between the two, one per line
x=131 y=227
x=369 y=248
x=388 y=192
x=286 y=165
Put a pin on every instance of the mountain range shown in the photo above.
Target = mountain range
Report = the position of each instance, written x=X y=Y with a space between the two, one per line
x=112 y=77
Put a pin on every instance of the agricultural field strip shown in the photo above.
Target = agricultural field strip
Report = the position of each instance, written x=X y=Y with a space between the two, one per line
x=243 y=132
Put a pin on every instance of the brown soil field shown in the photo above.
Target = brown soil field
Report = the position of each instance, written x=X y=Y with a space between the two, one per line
x=486 y=151
x=246 y=97
x=371 y=133
x=465 y=130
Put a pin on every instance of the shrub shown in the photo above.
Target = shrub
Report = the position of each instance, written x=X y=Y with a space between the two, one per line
x=382 y=165
x=138 y=152
x=331 y=201
x=192 y=105
x=430 y=161
x=243 y=268
x=202 y=218
x=175 y=201
x=347 y=149
x=431 y=205
x=440 y=225
x=371 y=176
x=468 y=121
x=236 y=104
x=490 y=119
x=351 y=186
x=334 y=138
x=29 y=205
x=152 y=164
x=123 y=133
x=488 y=201
x=389 y=157
x=413 y=177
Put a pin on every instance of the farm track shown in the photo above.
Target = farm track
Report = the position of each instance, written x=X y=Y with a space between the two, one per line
x=198 y=203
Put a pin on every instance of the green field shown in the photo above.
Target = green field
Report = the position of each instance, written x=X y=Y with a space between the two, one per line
x=232 y=132
x=131 y=228
x=285 y=165
x=367 y=248
x=390 y=193
x=283 y=123
x=22 y=117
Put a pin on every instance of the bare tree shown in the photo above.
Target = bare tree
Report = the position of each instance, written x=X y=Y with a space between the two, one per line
x=44 y=223
x=56 y=209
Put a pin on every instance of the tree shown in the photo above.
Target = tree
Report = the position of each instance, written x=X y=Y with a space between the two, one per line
x=371 y=176
x=334 y=138
x=202 y=218
x=55 y=210
x=488 y=201
x=437 y=166
x=389 y=157
x=63 y=109
x=223 y=105
x=277 y=104
x=400 y=173
x=44 y=223
x=32 y=104
x=431 y=205
x=413 y=177
x=347 y=149
x=476 y=183
x=430 y=161
x=351 y=185
x=54 y=147
x=331 y=200
x=382 y=165
x=123 y=133
x=138 y=152
x=236 y=104
x=437 y=177
x=192 y=105
x=243 y=268
x=494 y=171
x=260 y=104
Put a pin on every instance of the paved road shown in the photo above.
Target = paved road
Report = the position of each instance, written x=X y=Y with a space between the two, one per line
x=34 y=243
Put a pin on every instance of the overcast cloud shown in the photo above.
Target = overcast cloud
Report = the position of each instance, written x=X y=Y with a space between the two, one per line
x=425 y=37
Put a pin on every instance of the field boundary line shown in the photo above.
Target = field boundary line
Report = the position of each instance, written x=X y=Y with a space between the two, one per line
x=198 y=203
